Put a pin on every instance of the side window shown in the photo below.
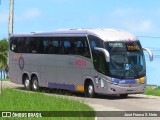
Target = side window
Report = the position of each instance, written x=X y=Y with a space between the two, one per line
x=100 y=63
x=40 y=46
x=82 y=47
x=47 y=43
x=19 y=45
x=75 y=46
x=26 y=45
x=56 y=45
x=33 y=45
x=50 y=45
x=67 y=46
x=14 y=44
x=95 y=42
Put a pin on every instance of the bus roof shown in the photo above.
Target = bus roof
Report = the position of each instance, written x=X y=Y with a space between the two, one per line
x=104 y=34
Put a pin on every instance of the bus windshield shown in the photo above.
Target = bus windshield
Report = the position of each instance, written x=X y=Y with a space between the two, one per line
x=126 y=59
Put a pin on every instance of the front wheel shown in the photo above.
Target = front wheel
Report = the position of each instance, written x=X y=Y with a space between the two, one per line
x=35 y=84
x=89 y=92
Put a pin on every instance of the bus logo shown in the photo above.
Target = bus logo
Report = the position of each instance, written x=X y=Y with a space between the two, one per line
x=21 y=63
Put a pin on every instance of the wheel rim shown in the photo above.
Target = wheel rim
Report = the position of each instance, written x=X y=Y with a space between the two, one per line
x=35 y=85
x=90 y=89
x=27 y=83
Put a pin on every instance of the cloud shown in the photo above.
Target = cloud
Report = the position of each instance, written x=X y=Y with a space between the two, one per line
x=133 y=20
x=138 y=25
x=4 y=16
x=29 y=14
x=32 y=13
x=122 y=11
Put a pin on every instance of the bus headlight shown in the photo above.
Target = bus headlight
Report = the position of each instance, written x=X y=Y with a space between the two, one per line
x=141 y=80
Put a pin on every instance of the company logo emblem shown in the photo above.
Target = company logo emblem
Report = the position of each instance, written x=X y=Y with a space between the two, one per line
x=21 y=63
x=6 y=114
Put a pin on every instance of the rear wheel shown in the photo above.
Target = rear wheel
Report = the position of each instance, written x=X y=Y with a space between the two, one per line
x=35 y=84
x=89 y=90
x=123 y=95
x=27 y=84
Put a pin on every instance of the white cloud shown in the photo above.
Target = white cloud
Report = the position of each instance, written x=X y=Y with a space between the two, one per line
x=122 y=11
x=4 y=16
x=29 y=14
x=132 y=20
x=32 y=13
x=138 y=25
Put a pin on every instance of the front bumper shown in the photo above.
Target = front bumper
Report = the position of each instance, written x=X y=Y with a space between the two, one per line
x=116 y=89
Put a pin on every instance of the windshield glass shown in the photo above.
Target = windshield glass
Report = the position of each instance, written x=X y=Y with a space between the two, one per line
x=126 y=59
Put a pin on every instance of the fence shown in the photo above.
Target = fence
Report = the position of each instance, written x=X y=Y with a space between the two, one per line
x=3 y=74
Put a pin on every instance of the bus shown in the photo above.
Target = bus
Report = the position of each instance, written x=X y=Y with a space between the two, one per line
x=92 y=61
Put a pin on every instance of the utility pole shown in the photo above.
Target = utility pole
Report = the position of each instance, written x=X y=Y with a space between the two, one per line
x=11 y=16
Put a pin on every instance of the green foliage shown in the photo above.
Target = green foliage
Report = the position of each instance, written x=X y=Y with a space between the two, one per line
x=152 y=91
x=19 y=100
x=3 y=54
x=3 y=45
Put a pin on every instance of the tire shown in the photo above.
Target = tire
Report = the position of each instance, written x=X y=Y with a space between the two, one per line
x=27 y=84
x=89 y=91
x=123 y=95
x=35 y=84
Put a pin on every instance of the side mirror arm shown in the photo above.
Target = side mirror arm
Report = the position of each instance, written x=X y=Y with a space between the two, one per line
x=150 y=53
x=106 y=53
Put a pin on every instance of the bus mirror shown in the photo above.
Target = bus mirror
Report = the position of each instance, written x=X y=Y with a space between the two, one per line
x=150 y=53
x=106 y=53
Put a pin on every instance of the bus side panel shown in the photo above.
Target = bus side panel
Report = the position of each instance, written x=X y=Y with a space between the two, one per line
x=51 y=74
x=15 y=72
x=75 y=71
x=37 y=65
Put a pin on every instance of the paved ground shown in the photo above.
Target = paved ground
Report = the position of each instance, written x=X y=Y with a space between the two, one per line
x=136 y=102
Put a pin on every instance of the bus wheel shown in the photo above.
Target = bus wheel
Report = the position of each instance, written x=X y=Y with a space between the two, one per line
x=89 y=92
x=123 y=95
x=27 y=84
x=34 y=84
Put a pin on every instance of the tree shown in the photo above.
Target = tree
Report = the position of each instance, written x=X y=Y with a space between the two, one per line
x=3 y=54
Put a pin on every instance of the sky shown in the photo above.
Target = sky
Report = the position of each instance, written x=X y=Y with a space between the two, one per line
x=140 y=17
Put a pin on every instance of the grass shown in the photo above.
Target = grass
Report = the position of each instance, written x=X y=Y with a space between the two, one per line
x=152 y=91
x=5 y=79
x=18 y=100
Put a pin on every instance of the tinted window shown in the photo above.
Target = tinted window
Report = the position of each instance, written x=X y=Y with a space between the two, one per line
x=83 y=47
x=19 y=45
x=75 y=46
x=100 y=63
x=33 y=45
x=14 y=44
x=95 y=42
x=51 y=45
